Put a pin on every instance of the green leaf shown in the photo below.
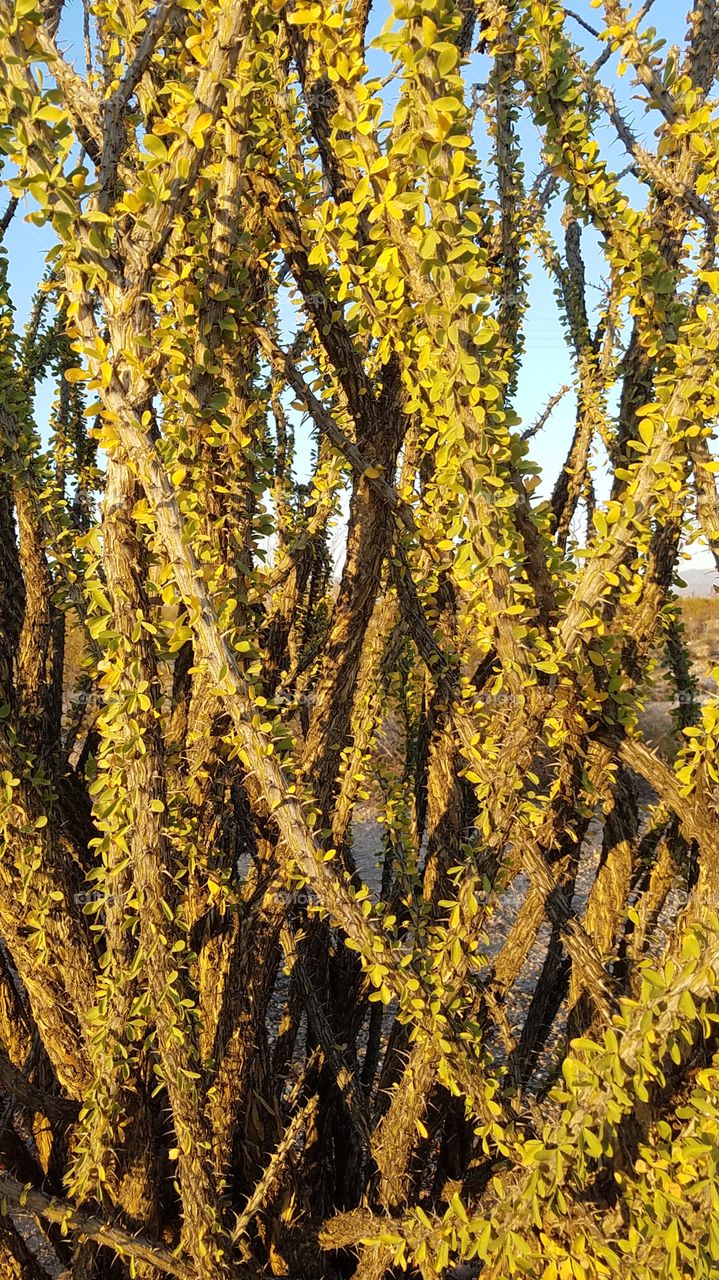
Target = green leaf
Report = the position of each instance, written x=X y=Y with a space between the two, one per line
x=155 y=146
x=302 y=17
x=646 y=430
x=447 y=58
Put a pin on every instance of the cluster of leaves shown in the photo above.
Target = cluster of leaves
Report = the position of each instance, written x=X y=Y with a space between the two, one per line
x=223 y=1049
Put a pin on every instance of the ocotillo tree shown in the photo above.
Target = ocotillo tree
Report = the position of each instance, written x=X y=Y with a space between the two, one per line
x=226 y=1046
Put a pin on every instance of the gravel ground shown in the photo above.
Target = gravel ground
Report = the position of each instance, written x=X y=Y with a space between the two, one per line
x=38 y=1244
x=367 y=849
x=367 y=838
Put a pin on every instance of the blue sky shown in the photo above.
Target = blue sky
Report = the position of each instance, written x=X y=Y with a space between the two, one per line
x=546 y=365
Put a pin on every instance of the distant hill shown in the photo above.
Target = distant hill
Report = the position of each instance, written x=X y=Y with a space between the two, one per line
x=699 y=582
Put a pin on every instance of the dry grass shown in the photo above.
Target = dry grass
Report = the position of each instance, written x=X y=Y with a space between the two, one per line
x=700 y=613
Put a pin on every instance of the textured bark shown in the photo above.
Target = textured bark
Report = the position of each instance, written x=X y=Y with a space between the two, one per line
x=87 y=1224
x=11 y=583
x=603 y=916
x=151 y=868
x=379 y=434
